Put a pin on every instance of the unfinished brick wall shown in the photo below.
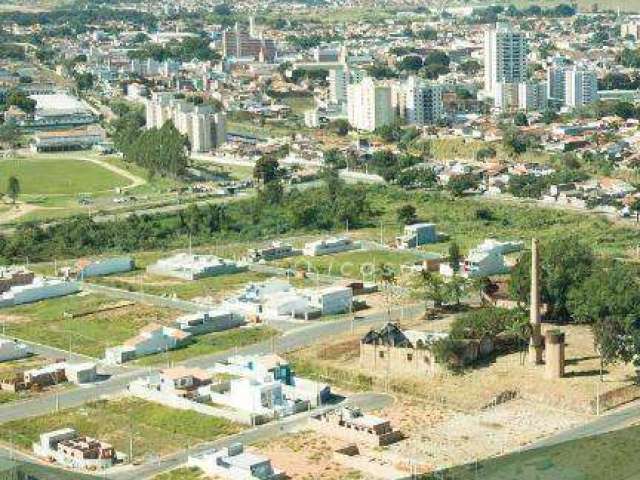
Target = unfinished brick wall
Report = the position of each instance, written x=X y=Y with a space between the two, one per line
x=405 y=361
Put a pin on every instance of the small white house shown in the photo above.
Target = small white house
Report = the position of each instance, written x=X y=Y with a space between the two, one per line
x=153 y=338
x=13 y=350
x=333 y=300
x=328 y=246
x=106 y=266
x=234 y=463
x=40 y=289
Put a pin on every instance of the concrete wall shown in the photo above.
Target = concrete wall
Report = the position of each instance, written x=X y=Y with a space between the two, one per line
x=139 y=390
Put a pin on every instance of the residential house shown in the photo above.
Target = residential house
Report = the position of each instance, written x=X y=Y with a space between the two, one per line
x=154 y=338
x=329 y=246
x=13 y=350
x=67 y=448
x=234 y=463
x=40 y=289
x=192 y=267
x=417 y=234
x=210 y=321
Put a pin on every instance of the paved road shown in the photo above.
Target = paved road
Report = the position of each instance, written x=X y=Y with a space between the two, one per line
x=365 y=401
x=291 y=340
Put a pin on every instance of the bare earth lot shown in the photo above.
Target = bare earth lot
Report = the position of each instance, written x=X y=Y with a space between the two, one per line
x=450 y=419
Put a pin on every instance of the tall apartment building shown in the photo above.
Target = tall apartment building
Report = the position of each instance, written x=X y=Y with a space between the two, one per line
x=238 y=44
x=369 y=105
x=581 y=87
x=205 y=129
x=340 y=77
x=505 y=57
x=422 y=102
x=528 y=96
x=532 y=96
x=556 y=85
x=630 y=29
x=338 y=82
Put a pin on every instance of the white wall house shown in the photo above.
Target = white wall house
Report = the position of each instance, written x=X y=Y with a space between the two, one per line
x=234 y=463
x=40 y=289
x=153 y=338
x=12 y=350
x=328 y=246
x=106 y=266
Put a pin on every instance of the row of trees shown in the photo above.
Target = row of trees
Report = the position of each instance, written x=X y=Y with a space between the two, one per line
x=162 y=151
x=327 y=207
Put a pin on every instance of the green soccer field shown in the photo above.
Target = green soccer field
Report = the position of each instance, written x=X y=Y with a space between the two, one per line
x=59 y=176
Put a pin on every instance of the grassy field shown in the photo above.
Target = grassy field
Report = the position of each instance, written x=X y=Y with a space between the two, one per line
x=211 y=343
x=184 y=473
x=156 y=430
x=60 y=176
x=357 y=264
x=611 y=455
x=45 y=322
x=468 y=221
x=184 y=289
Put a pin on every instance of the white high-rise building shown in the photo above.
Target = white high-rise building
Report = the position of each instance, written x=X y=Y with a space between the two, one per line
x=505 y=96
x=505 y=57
x=630 y=29
x=338 y=82
x=369 y=105
x=532 y=96
x=528 y=96
x=205 y=129
x=581 y=87
x=422 y=102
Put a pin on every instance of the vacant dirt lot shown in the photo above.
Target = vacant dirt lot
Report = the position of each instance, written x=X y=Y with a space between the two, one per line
x=306 y=455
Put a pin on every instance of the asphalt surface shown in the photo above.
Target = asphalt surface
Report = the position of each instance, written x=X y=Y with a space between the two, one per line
x=290 y=340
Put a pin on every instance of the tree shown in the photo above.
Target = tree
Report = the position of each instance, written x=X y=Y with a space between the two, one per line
x=339 y=127
x=565 y=263
x=84 y=81
x=426 y=34
x=514 y=142
x=520 y=119
x=223 y=10
x=20 y=100
x=485 y=152
x=10 y=133
x=617 y=338
x=454 y=257
x=455 y=289
x=411 y=63
x=611 y=291
x=625 y=110
x=13 y=188
x=266 y=169
x=461 y=183
x=386 y=276
x=431 y=288
x=470 y=67
x=549 y=116
x=407 y=214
